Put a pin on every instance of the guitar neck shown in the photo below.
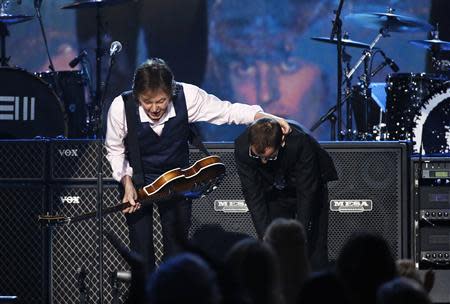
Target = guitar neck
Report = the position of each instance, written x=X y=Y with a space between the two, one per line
x=143 y=200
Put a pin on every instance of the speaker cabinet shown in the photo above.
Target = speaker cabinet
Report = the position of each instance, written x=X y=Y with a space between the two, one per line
x=370 y=195
x=23 y=242
x=76 y=160
x=74 y=246
x=23 y=160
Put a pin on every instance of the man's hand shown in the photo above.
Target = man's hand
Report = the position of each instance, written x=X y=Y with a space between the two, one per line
x=285 y=127
x=130 y=195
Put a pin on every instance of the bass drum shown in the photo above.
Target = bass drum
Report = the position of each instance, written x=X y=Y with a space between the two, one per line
x=69 y=86
x=29 y=108
x=406 y=94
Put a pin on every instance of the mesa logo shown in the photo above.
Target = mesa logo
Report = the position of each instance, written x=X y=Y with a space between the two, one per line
x=70 y=199
x=236 y=206
x=68 y=152
x=351 y=206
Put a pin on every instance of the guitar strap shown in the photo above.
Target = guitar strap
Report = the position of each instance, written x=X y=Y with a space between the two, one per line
x=134 y=155
x=194 y=139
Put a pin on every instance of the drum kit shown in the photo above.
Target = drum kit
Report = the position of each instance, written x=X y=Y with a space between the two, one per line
x=49 y=104
x=415 y=106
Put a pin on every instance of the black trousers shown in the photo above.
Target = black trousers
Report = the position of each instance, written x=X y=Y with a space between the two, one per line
x=316 y=224
x=175 y=219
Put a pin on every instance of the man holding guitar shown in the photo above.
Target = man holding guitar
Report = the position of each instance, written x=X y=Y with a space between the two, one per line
x=152 y=122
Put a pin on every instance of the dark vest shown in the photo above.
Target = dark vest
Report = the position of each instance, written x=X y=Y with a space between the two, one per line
x=169 y=150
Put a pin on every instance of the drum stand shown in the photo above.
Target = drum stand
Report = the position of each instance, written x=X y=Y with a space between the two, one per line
x=3 y=34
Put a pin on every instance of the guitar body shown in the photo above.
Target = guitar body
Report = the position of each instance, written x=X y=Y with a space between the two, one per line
x=193 y=181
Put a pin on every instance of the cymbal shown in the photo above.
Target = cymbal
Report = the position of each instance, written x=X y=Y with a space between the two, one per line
x=390 y=21
x=13 y=19
x=432 y=44
x=346 y=42
x=92 y=3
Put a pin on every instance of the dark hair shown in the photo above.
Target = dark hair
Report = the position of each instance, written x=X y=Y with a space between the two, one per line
x=263 y=133
x=153 y=74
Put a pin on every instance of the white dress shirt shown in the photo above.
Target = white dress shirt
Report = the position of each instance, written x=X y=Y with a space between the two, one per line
x=201 y=106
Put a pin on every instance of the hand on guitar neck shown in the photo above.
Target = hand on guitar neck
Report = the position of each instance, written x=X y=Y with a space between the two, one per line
x=130 y=195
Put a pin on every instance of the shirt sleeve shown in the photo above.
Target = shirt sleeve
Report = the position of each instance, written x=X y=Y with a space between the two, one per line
x=116 y=131
x=202 y=106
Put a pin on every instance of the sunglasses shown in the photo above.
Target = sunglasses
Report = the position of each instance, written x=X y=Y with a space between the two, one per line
x=274 y=156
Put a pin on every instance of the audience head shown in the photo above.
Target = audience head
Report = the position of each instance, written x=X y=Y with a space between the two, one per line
x=252 y=267
x=287 y=238
x=364 y=264
x=402 y=291
x=185 y=278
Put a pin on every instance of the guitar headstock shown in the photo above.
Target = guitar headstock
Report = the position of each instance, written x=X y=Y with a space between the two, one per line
x=50 y=220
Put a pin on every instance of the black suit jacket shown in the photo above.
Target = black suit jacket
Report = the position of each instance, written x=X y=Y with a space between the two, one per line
x=301 y=171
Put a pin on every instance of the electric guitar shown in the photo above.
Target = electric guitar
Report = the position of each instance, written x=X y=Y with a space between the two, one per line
x=193 y=182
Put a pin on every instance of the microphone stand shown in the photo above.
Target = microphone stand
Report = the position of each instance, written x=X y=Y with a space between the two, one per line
x=337 y=31
x=37 y=7
x=99 y=212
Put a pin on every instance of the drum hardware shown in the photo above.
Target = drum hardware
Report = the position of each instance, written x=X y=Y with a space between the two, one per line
x=72 y=94
x=384 y=23
x=389 y=21
x=95 y=109
x=436 y=46
x=337 y=31
x=345 y=42
x=6 y=19
x=346 y=58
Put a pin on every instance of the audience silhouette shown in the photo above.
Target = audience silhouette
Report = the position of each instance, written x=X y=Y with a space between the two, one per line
x=253 y=270
x=364 y=264
x=287 y=238
x=402 y=291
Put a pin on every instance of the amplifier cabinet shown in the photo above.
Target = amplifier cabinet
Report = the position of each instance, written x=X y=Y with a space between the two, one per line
x=23 y=160
x=74 y=246
x=371 y=194
x=74 y=160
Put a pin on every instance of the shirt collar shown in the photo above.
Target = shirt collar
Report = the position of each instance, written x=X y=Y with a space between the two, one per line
x=170 y=112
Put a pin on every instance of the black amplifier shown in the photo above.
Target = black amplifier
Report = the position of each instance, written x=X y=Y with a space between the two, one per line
x=437 y=168
x=435 y=245
x=434 y=202
x=432 y=187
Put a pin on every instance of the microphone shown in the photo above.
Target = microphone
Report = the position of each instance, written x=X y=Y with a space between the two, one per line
x=77 y=59
x=115 y=48
x=391 y=63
